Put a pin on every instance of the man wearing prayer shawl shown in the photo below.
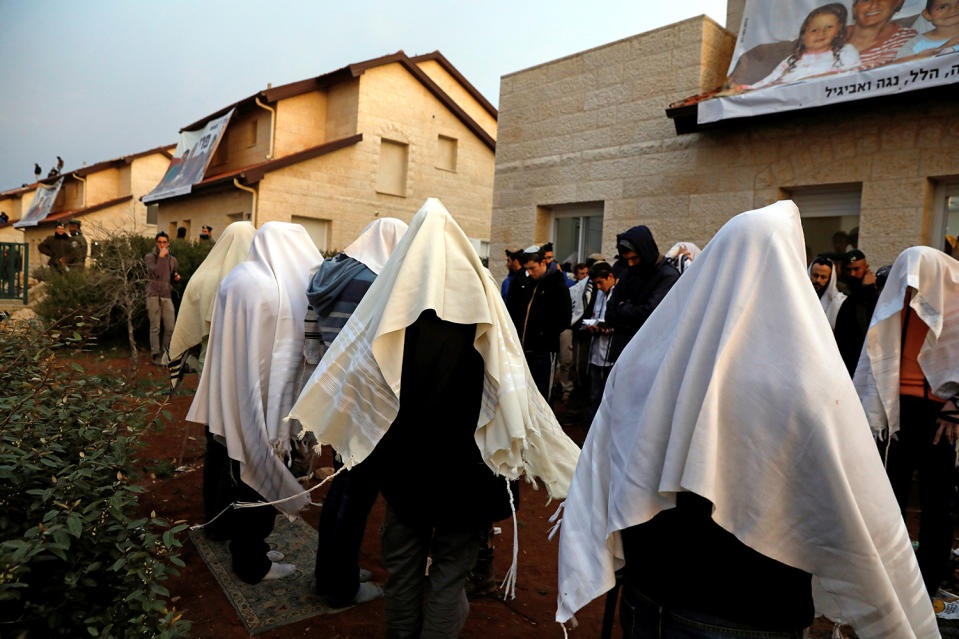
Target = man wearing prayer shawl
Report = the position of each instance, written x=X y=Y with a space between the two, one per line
x=336 y=289
x=196 y=309
x=427 y=383
x=822 y=274
x=248 y=385
x=908 y=379
x=735 y=503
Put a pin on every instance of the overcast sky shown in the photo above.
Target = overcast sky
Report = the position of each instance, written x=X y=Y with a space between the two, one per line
x=95 y=80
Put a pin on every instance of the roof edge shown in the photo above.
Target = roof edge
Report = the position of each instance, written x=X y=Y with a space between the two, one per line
x=459 y=77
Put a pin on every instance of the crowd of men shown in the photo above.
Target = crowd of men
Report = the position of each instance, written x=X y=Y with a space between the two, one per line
x=712 y=489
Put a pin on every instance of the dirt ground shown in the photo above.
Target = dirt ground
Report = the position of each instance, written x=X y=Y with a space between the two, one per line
x=176 y=495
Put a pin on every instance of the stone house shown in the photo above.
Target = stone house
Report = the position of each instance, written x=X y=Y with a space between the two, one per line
x=336 y=151
x=104 y=197
x=589 y=147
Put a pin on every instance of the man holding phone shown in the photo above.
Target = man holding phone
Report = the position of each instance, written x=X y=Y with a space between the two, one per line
x=599 y=362
x=161 y=273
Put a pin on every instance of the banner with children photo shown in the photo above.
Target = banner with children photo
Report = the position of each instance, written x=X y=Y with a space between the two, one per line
x=808 y=53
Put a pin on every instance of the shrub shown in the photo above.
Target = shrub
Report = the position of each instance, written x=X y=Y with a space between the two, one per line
x=112 y=290
x=75 y=559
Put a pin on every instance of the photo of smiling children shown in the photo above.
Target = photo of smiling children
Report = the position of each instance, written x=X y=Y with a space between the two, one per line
x=821 y=48
x=944 y=15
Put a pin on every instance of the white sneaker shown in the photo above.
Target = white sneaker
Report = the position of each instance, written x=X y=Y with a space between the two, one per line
x=274 y=555
x=279 y=571
x=367 y=592
x=365 y=575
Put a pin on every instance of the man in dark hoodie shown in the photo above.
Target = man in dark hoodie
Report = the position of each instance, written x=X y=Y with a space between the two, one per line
x=58 y=248
x=335 y=290
x=541 y=312
x=644 y=280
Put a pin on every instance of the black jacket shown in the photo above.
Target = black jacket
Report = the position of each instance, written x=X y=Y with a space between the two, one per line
x=541 y=310
x=852 y=322
x=639 y=291
x=427 y=465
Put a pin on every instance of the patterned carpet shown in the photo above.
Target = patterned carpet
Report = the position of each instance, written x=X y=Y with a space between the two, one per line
x=270 y=604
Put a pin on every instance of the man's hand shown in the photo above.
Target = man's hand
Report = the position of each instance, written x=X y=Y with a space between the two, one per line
x=869 y=278
x=165 y=251
x=176 y=277
x=945 y=427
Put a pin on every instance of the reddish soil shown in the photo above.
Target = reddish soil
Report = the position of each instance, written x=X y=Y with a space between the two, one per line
x=177 y=496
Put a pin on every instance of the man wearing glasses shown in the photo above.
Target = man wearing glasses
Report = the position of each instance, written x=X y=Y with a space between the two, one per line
x=161 y=273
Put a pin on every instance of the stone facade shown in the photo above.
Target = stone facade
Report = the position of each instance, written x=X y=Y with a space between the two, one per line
x=396 y=102
x=591 y=127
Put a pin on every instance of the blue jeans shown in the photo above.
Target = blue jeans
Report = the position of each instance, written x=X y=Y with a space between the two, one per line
x=644 y=619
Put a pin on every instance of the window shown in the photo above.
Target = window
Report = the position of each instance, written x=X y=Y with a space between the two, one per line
x=239 y=217
x=251 y=133
x=153 y=211
x=317 y=229
x=446 y=153
x=946 y=214
x=830 y=217
x=577 y=231
x=391 y=178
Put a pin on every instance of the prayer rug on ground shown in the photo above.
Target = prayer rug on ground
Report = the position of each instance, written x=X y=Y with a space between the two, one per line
x=275 y=603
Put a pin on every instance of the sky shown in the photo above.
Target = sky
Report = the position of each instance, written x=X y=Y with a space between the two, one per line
x=95 y=80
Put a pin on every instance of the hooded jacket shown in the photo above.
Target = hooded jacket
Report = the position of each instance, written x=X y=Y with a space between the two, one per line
x=640 y=289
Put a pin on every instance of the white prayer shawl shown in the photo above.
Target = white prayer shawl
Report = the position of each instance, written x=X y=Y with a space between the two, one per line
x=832 y=298
x=693 y=250
x=377 y=241
x=196 y=309
x=935 y=278
x=353 y=396
x=248 y=382
x=719 y=396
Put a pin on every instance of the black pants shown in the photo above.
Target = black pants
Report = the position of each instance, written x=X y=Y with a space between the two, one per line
x=597 y=384
x=541 y=368
x=913 y=449
x=246 y=528
x=342 y=524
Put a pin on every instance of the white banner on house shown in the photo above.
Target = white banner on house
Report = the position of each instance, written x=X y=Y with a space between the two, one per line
x=41 y=205
x=910 y=76
x=190 y=159
x=808 y=53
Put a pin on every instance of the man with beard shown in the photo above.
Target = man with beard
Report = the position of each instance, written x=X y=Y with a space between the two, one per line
x=852 y=321
x=822 y=274
x=540 y=312
x=643 y=284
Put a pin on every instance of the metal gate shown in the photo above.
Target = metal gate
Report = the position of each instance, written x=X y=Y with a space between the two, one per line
x=14 y=269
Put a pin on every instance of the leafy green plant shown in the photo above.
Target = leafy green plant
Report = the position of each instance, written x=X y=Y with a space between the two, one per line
x=75 y=557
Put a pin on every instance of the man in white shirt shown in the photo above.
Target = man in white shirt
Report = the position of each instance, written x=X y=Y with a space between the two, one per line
x=599 y=362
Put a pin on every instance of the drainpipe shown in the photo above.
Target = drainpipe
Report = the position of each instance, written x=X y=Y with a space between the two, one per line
x=269 y=154
x=83 y=200
x=236 y=183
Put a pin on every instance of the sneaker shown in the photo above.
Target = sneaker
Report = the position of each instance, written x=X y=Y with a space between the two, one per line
x=157 y=359
x=274 y=555
x=365 y=575
x=367 y=592
x=279 y=571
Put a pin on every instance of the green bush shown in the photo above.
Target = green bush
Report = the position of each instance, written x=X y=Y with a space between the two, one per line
x=75 y=558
